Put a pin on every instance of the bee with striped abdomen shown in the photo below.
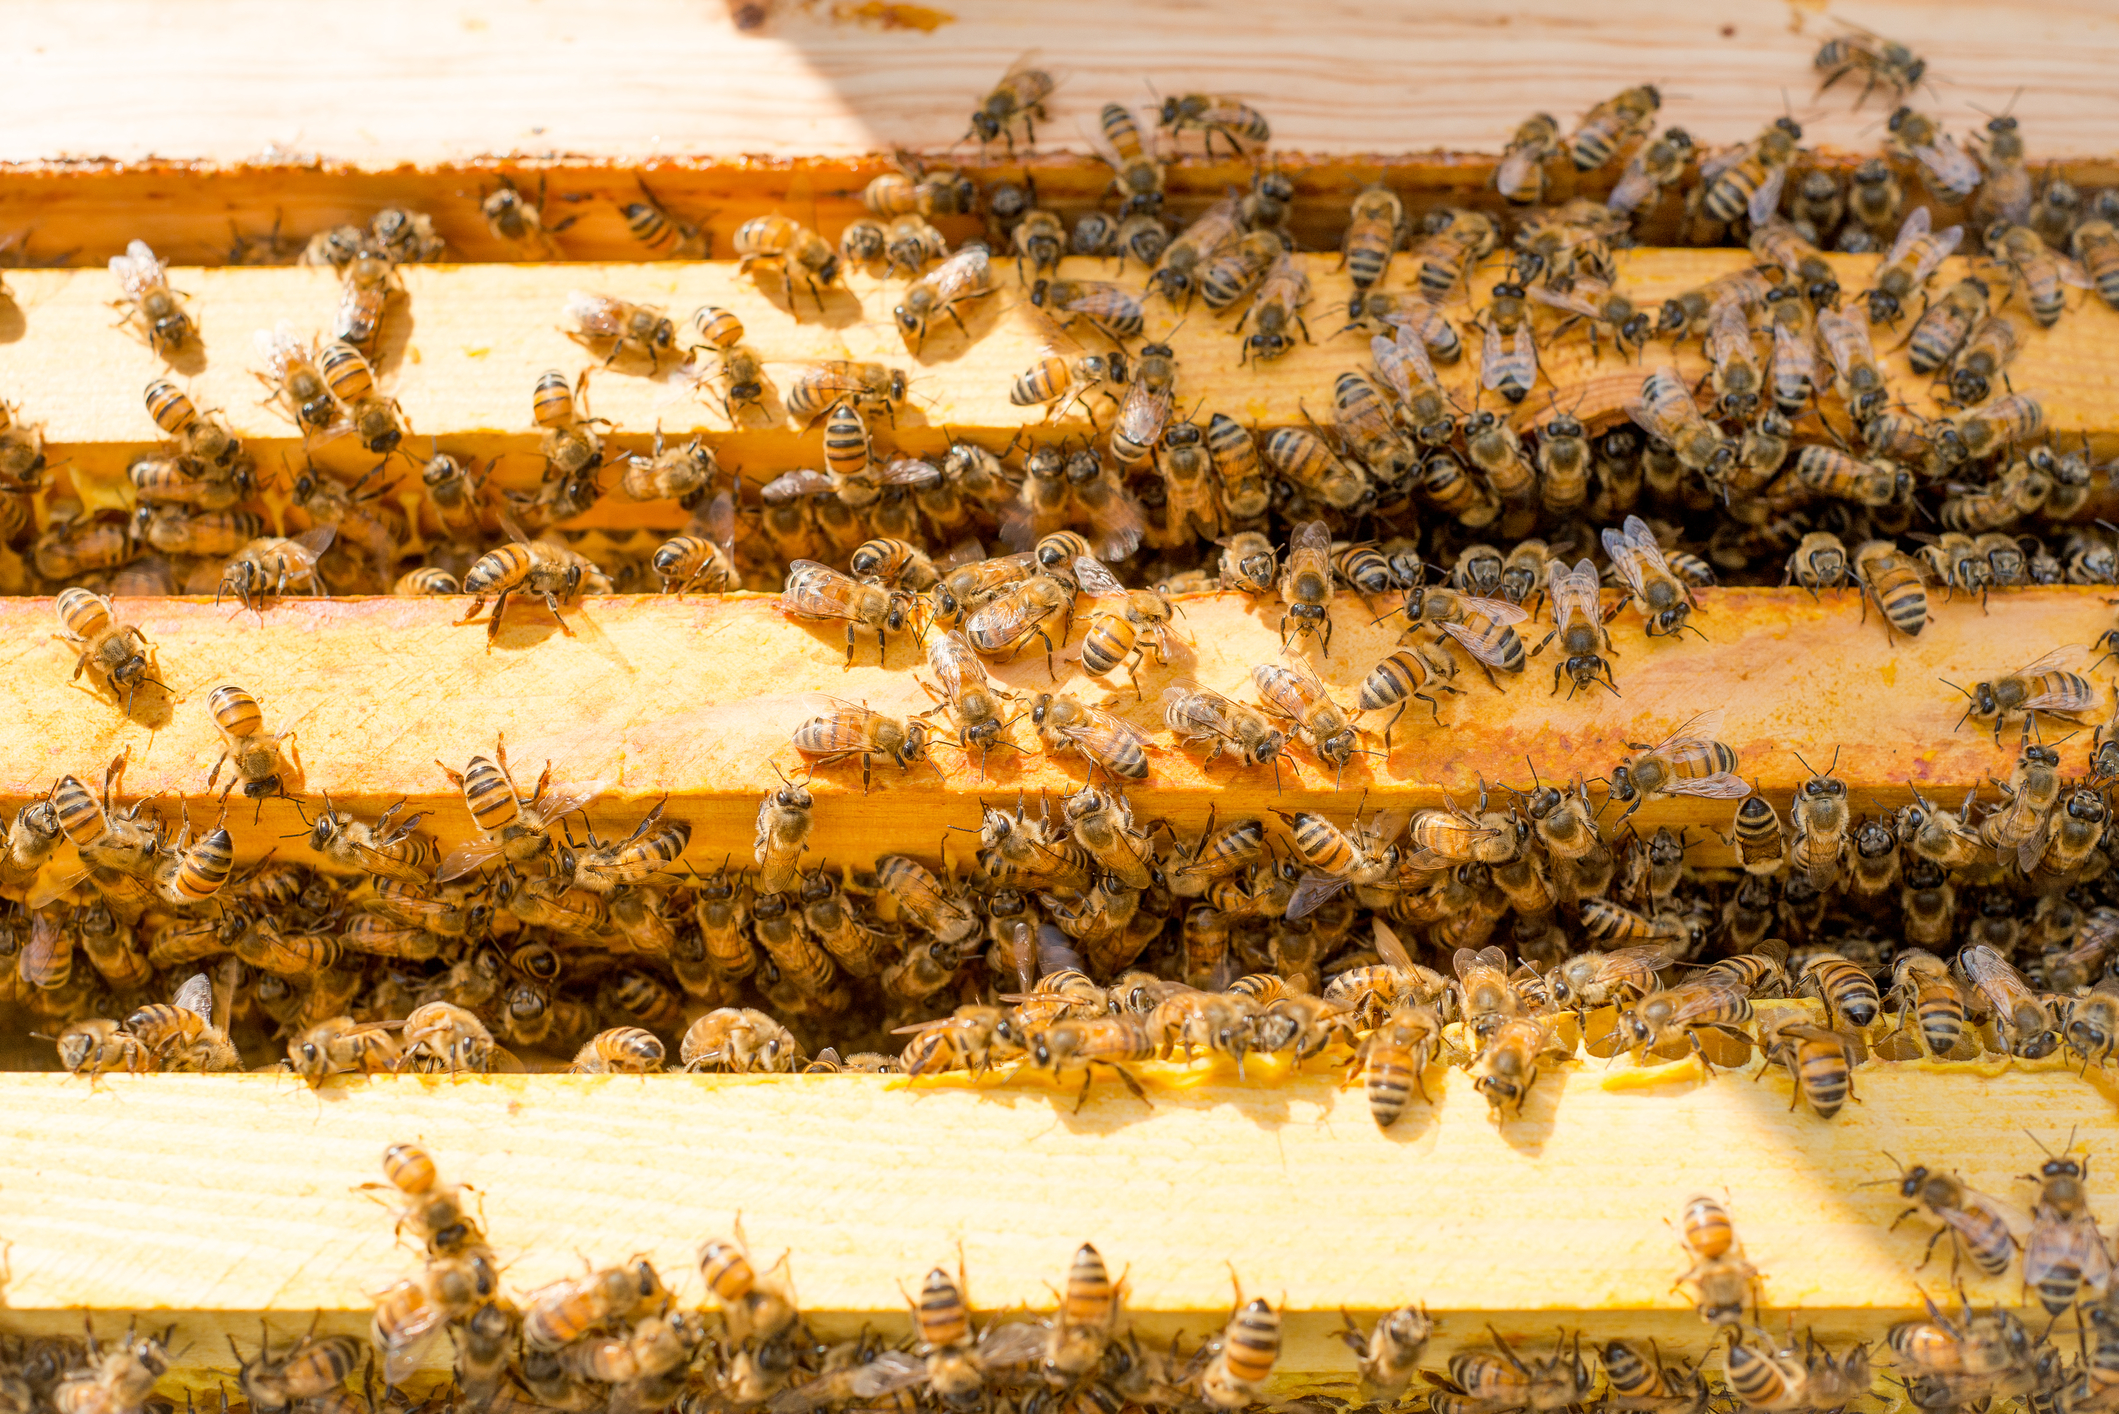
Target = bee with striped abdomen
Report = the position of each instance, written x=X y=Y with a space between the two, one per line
x=1973 y=1222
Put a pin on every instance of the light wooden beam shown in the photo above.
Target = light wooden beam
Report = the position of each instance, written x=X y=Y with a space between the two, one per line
x=825 y=80
x=464 y=350
x=211 y=1201
x=696 y=700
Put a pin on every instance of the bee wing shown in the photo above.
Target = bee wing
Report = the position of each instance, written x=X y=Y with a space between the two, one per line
x=465 y=858
x=891 y=1370
x=1312 y=535
x=1386 y=825
x=2071 y=1243
x=2061 y=658
x=1767 y=199
x=1117 y=519
x=1015 y=1343
x=1573 y=592
x=1722 y=785
x=196 y=997
x=1192 y=710
x=1700 y=726
x=947 y=656
x=597 y=314
x=1938 y=250
x=1390 y=948
x=277 y=346
x=1311 y=892
x=568 y=797
x=806 y=594
x=58 y=878
x=789 y=485
x=1025 y=61
x=1097 y=721
x=1095 y=580
x=719 y=522
x=1563 y=299
x=1499 y=610
x=1917 y=224
x=316 y=540
x=909 y=471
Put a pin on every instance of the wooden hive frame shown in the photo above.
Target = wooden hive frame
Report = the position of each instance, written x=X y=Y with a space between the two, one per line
x=116 y=1198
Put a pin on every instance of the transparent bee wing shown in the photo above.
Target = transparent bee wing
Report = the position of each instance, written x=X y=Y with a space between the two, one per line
x=1573 y=592
x=1492 y=355
x=1722 y=785
x=947 y=655
x=719 y=522
x=1278 y=693
x=1311 y=535
x=465 y=859
x=1387 y=825
x=1311 y=893
x=61 y=874
x=1389 y=947
x=890 y=1371
x=1720 y=162
x=596 y=314
x=1767 y=199
x=792 y=485
x=196 y=997
x=1487 y=651
x=1012 y=1344
x=1916 y=225
x=1644 y=544
x=1567 y=299
x=1700 y=726
x=1499 y=610
x=909 y=471
x=2066 y=656
x=1938 y=250
x=965 y=552
x=1116 y=517
x=316 y=540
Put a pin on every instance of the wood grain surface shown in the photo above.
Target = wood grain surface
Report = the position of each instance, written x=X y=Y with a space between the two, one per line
x=216 y=1199
x=398 y=81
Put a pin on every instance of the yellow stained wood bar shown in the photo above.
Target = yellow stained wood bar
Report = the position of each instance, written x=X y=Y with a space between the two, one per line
x=212 y=1201
x=696 y=700
x=464 y=348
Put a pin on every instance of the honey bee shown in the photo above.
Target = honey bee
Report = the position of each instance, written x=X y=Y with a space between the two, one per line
x=741 y=1040
x=912 y=244
x=515 y=828
x=1185 y=258
x=1665 y=600
x=1281 y=296
x=1509 y=368
x=98 y=1046
x=966 y=275
x=1234 y=1378
x=1508 y=1067
x=1333 y=859
x=343 y=1046
x=1894 y=581
x=1820 y=1063
x=2045 y=685
x=312 y=1367
x=972 y=701
x=1654 y=166
x=1402 y=362
x=1948 y=171
x=541 y=567
x=1485 y=627
x=1197 y=714
x=1244 y=265
x=1687 y=762
x=1306 y=584
x=1611 y=125
x=1947 y=322
x=2016 y=417
x=1578 y=622
x=1665 y=410
x=2096 y=246
x=777 y=242
x=1972 y=1221
x=2065 y=1252
x=852 y=730
x=1595 y=303
x=1737 y=376
x=260 y=761
x=1305 y=460
x=149 y=303
x=862 y=242
x=815 y=591
x=666 y=236
x=2021 y=1021
x=1019 y=98
x=1875 y=198
x=298 y=386
x=639 y=330
x=111 y=650
x=1881 y=63
x=741 y=373
x=1520 y=177
x=1747 y=180
x=1374 y=231
x=1914 y=256
x=563 y=1312
x=1209 y=114
x=621 y=1050
x=445 y=1035
x=425 y=581
x=181 y=1034
x=1064 y=724
x=704 y=556
x=1293 y=692
x=2039 y=274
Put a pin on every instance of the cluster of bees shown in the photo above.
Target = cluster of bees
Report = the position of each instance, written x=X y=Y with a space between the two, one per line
x=1744 y=478
x=616 y=1338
